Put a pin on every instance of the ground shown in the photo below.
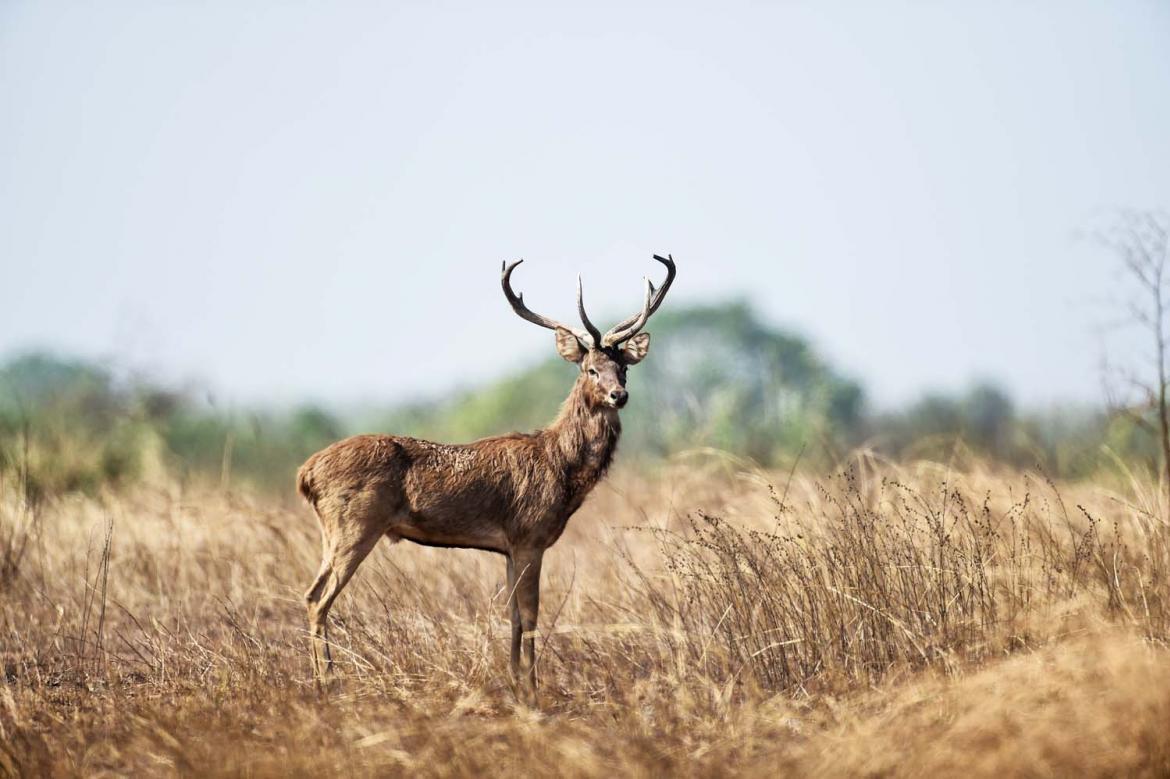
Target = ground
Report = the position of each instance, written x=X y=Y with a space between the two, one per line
x=700 y=618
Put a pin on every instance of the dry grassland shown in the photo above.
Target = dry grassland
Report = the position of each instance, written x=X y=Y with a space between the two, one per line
x=703 y=619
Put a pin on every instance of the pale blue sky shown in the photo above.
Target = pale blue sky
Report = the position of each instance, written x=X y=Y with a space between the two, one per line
x=311 y=200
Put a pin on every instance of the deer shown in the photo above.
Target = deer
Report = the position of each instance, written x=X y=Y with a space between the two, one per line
x=511 y=494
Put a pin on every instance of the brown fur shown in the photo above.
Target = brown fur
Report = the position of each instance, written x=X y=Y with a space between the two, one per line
x=511 y=494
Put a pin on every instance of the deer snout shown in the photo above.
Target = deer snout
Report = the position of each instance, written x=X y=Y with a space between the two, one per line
x=618 y=397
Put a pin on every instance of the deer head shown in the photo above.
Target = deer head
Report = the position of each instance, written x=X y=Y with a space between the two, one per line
x=603 y=359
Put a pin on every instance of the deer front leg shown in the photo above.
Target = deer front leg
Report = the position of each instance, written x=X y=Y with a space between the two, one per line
x=517 y=630
x=526 y=606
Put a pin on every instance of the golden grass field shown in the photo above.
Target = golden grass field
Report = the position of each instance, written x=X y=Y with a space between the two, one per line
x=702 y=618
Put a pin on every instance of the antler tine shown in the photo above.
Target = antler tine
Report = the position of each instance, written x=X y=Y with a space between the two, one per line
x=594 y=333
x=624 y=330
x=516 y=300
x=616 y=336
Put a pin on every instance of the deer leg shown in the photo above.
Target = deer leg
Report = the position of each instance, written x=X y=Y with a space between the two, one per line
x=341 y=560
x=317 y=629
x=527 y=573
x=517 y=630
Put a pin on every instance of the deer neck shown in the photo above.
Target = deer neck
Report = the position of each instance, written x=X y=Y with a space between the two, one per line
x=582 y=440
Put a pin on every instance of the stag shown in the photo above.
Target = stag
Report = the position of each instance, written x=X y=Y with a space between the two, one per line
x=511 y=494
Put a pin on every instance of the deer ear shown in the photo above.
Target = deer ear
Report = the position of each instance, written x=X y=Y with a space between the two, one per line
x=636 y=348
x=568 y=346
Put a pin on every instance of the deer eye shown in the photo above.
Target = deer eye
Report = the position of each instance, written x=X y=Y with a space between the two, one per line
x=593 y=372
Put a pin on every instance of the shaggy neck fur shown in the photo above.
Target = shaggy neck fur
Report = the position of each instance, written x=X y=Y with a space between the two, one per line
x=582 y=439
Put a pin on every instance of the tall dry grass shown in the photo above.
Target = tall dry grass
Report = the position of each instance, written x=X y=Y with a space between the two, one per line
x=708 y=618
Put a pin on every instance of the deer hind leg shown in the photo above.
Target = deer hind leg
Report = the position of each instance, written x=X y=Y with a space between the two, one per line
x=317 y=629
x=346 y=543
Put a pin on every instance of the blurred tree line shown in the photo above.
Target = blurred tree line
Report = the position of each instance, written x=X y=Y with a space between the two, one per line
x=717 y=377
x=69 y=425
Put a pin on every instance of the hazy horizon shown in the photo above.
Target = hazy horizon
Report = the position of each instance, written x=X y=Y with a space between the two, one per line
x=311 y=202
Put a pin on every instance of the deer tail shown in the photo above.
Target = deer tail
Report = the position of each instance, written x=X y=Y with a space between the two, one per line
x=305 y=482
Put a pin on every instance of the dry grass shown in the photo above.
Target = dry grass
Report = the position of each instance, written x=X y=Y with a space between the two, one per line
x=702 y=620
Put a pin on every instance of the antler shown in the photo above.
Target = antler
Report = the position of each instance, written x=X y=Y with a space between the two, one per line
x=591 y=337
x=594 y=333
x=588 y=337
x=629 y=327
